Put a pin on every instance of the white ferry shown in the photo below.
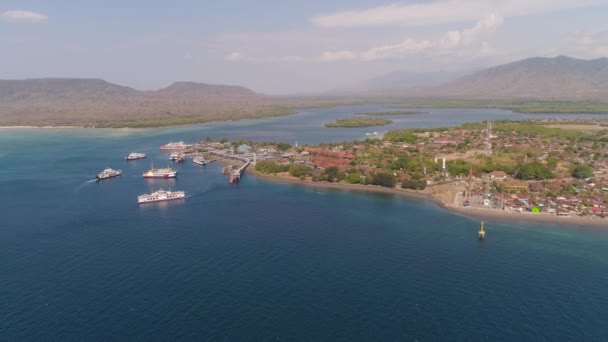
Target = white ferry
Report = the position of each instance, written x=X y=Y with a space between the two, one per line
x=108 y=173
x=135 y=156
x=160 y=173
x=180 y=145
x=160 y=196
x=199 y=161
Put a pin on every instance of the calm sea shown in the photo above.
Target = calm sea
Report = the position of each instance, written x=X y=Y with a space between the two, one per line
x=81 y=261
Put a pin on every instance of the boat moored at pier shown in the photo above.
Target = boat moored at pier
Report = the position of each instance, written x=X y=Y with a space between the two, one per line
x=180 y=145
x=199 y=161
x=160 y=196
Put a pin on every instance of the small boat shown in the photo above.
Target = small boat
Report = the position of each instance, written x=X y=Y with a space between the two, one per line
x=135 y=156
x=482 y=233
x=200 y=161
x=235 y=177
x=180 y=158
x=173 y=156
x=108 y=173
x=160 y=196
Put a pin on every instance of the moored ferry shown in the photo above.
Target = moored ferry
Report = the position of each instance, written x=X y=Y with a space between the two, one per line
x=180 y=145
x=160 y=196
x=199 y=161
x=108 y=173
x=166 y=172
x=135 y=156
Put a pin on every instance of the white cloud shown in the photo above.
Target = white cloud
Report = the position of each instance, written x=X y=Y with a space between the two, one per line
x=444 y=11
x=234 y=57
x=584 y=44
x=188 y=56
x=335 y=56
x=452 y=41
x=292 y=59
x=24 y=16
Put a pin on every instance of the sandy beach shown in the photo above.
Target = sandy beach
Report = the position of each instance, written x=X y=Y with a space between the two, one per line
x=427 y=194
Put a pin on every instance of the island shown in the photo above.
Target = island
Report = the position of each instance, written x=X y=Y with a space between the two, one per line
x=401 y=112
x=358 y=122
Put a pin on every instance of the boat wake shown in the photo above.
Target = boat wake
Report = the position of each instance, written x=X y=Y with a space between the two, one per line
x=79 y=187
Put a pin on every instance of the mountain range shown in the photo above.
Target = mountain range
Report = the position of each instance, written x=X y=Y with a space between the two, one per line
x=59 y=101
x=95 y=102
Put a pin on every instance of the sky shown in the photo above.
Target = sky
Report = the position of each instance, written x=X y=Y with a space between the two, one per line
x=286 y=46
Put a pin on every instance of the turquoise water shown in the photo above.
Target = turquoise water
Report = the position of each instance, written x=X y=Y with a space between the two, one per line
x=81 y=261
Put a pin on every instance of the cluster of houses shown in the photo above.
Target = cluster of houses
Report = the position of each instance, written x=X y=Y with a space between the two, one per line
x=563 y=196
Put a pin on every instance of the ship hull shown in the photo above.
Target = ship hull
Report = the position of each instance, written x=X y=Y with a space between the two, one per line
x=160 y=200
x=160 y=176
x=134 y=158
x=106 y=177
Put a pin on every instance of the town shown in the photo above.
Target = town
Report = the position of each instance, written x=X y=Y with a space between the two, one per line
x=557 y=168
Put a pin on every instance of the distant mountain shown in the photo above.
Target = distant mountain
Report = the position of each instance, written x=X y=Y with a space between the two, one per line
x=60 y=88
x=202 y=90
x=407 y=79
x=534 y=78
x=396 y=83
x=69 y=101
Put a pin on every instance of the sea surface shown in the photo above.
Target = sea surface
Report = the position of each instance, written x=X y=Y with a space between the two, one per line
x=80 y=260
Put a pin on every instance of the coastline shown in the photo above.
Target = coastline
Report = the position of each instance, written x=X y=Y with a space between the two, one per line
x=427 y=195
x=39 y=127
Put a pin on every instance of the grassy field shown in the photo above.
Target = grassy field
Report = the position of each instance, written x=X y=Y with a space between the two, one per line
x=271 y=112
x=366 y=122
x=520 y=106
x=399 y=112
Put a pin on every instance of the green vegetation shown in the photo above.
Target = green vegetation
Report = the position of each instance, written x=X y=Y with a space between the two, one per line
x=407 y=136
x=333 y=174
x=384 y=179
x=534 y=170
x=402 y=112
x=300 y=171
x=187 y=120
x=520 y=106
x=354 y=178
x=268 y=167
x=413 y=184
x=582 y=171
x=283 y=146
x=358 y=122
x=537 y=130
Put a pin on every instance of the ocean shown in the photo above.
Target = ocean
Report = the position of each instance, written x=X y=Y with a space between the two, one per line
x=80 y=260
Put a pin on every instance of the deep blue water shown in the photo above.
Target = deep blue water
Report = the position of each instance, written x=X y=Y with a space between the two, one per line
x=81 y=261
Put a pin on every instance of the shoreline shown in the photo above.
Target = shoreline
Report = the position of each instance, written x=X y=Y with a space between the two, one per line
x=494 y=214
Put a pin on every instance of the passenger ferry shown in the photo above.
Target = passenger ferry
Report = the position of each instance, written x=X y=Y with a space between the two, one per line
x=108 y=173
x=135 y=156
x=180 y=145
x=199 y=161
x=160 y=196
x=160 y=173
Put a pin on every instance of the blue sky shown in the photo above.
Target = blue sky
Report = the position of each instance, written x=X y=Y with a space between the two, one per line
x=286 y=46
